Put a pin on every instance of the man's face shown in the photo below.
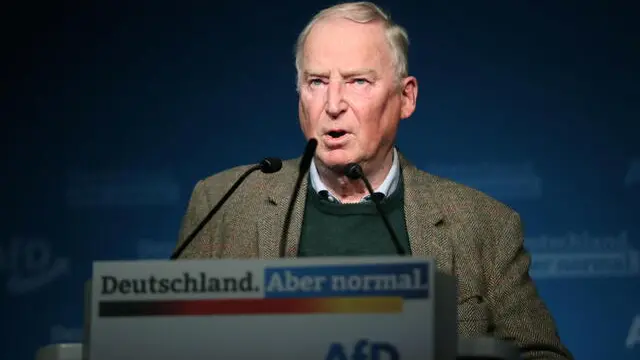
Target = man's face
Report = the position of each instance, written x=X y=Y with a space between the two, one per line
x=350 y=99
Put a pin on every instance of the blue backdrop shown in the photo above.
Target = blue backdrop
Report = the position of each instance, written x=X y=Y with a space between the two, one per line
x=114 y=110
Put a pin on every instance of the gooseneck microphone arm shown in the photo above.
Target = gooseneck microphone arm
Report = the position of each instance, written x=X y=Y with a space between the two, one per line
x=354 y=172
x=305 y=164
x=267 y=166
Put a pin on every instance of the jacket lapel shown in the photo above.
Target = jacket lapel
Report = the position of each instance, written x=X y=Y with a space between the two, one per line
x=272 y=217
x=423 y=215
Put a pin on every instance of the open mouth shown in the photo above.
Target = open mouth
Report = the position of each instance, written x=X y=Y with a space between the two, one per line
x=335 y=134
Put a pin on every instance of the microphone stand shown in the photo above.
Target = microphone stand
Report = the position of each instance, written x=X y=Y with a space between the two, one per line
x=268 y=165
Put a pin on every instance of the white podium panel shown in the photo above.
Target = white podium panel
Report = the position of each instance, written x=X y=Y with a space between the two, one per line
x=320 y=308
x=71 y=351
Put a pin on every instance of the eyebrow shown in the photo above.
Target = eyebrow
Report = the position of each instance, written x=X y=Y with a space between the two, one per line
x=346 y=74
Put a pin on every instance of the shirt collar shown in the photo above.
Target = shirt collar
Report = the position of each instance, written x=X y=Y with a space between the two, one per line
x=388 y=186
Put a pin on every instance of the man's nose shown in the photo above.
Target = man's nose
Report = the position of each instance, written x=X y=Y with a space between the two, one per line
x=335 y=100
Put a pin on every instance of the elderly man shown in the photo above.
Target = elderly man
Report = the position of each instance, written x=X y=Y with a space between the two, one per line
x=353 y=91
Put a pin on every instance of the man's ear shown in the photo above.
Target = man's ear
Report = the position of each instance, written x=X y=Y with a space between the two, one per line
x=409 y=94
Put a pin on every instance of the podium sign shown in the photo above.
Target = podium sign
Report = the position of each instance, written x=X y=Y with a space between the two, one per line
x=316 y=308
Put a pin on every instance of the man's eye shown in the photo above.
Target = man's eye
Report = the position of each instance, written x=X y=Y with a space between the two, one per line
x=361 y=81
x=315 y=82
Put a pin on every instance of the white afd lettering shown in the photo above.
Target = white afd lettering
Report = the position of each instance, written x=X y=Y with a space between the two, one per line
x=30 y=264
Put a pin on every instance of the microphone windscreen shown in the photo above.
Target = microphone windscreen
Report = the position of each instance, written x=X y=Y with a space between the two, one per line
x=353 y=171
x=270 y=165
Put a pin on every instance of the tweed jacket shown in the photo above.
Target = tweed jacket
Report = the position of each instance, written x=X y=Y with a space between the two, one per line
x=471 y=236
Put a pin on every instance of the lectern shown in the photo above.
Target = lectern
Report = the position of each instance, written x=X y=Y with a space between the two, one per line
x=313 y=308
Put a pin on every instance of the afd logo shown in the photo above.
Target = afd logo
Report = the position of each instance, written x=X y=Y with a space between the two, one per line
x=363 y=350
x=30 y=264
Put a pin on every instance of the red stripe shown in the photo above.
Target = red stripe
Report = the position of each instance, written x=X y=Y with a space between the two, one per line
x=243 y=306
x=210 y=307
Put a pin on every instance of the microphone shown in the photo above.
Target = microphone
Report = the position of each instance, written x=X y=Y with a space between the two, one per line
x=354 y=172
x=267 y=165
x=305 y=164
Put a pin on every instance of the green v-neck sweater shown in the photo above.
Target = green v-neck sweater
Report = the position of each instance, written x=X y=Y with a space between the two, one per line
x=334 y=229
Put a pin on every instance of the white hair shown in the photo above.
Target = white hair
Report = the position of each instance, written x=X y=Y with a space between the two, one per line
x=361 y=12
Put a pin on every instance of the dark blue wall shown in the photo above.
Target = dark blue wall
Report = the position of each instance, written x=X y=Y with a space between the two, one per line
x=112 y=112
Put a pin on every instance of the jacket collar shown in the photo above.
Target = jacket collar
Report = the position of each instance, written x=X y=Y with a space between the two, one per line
x=423 y=213
x=388 y=186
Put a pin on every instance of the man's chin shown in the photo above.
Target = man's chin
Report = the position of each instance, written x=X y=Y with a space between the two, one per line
x=336 y=159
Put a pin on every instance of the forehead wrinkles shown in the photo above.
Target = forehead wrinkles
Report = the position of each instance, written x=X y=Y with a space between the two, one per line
x=346 y=45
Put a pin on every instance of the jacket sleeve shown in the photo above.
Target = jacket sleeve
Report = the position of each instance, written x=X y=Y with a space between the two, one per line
x=205 y=244
x=519 y=314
